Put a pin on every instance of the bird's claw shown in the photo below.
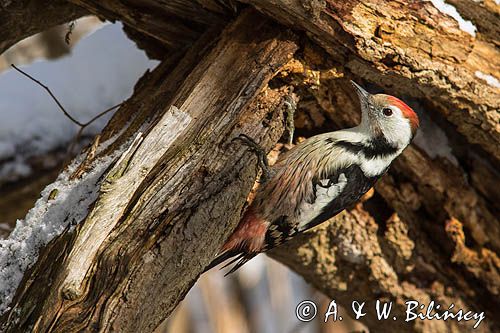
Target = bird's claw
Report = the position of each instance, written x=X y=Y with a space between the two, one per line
x=259 y=152
x=248 y=141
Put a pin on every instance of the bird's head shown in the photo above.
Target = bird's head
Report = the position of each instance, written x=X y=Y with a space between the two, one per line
x=388 y=116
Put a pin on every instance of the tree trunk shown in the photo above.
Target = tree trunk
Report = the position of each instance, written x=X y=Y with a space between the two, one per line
x=179 y=183
x=21 y=19
x=168 y=185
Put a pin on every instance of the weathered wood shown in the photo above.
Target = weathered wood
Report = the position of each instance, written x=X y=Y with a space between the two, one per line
x=429 y=56
x=485 y=16
x=21 y=19
x=407 y=241
x=410 y=48
x=175 y=24
x=168 y=203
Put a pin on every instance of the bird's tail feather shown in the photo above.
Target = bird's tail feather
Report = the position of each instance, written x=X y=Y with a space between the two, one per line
x=240 y=258
x=220 y=259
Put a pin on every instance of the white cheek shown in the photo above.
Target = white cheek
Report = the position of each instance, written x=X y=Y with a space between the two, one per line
x=396 y=128
x=397 y=110
x=400 y=132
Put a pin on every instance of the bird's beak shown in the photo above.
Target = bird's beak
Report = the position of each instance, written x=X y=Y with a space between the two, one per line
x=363 y=94
x=365 y=101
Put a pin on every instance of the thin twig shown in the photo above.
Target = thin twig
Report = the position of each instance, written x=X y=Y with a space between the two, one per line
x=102 y=114
x=80 y=124
x=79 y=134
x=50 y=93
x=67 y=37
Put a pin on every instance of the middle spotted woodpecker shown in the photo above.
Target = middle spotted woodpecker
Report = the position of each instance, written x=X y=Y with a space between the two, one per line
x=320 y=177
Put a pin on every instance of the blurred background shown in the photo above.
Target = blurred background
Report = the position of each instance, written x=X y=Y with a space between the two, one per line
x=90 y=66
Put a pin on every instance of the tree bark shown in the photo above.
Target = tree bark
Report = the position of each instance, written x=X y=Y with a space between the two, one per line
x=430 y=231
x=163 y=27
x=166 y=205
x=21 y=19
x=410 y=48
x=405 y=241
x=484 y=15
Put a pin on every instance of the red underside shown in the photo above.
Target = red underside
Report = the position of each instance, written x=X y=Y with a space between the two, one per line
x=249 y=234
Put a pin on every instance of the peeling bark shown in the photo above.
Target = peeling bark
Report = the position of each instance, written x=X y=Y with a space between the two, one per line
x=21 y=19
x=484 y=14
x=409 y=48
x=143 y=240
x=407 y=240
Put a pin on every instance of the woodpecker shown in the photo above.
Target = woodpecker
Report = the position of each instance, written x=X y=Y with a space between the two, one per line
x=320 y=177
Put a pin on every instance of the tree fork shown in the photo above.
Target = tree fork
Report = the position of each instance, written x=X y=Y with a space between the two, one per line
x=174 y=195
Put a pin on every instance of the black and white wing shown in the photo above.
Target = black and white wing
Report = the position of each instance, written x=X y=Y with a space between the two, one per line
x=331 y=196
x=345 y=187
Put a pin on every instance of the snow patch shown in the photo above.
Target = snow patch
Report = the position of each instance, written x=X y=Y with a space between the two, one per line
x=52 y=214
x=448 y=9
x=15 y=169
x=491 y=80
x=100 y=72
x=7 y=150
x=431 y=138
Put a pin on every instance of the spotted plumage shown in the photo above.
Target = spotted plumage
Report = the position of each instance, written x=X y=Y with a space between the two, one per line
x=322 y=176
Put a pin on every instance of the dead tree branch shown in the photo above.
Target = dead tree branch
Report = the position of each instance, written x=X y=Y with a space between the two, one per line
x=21 y=19
x=167 y=204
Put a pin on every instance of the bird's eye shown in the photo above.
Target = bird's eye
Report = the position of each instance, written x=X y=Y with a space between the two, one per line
x=387 y=112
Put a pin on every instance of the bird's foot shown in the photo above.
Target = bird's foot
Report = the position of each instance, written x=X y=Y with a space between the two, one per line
x=259 y=152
